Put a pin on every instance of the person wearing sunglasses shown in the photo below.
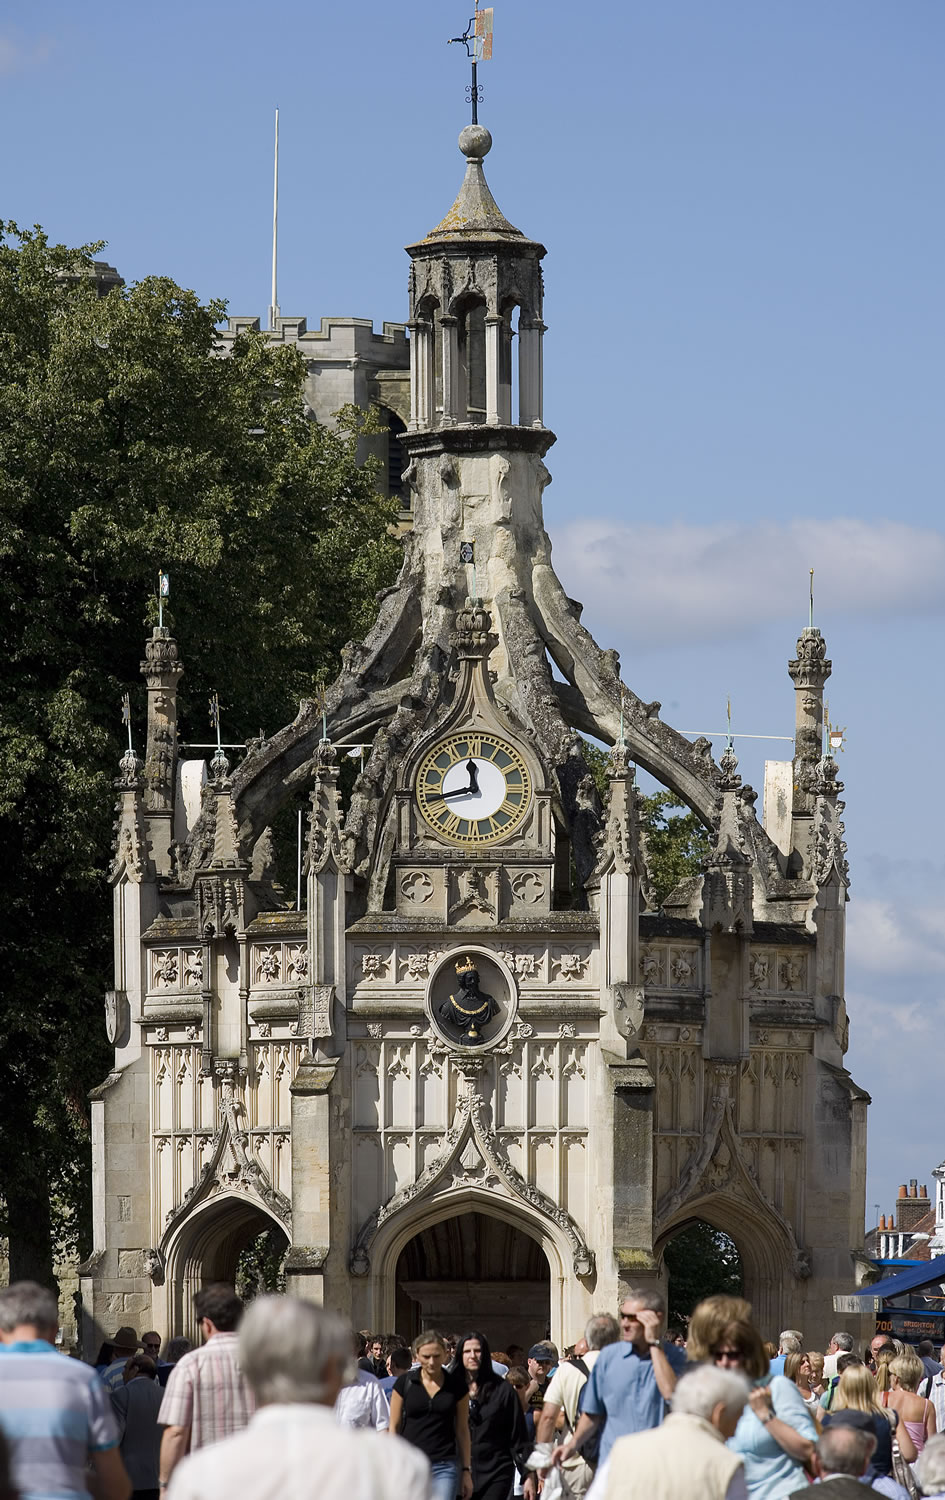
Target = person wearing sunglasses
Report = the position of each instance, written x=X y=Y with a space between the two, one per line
x=775 y=1435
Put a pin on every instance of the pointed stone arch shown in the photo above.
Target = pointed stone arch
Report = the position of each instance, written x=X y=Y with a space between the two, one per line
x=412 y=1218
x=767 y=1248
x=205 y=1244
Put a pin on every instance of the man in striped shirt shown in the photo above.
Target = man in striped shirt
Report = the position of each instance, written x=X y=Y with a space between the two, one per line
x=54 y=1411
x=207 y=1397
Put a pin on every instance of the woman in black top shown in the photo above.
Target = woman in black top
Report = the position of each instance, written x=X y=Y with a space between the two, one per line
x=496 y=1420
x=429 y=1406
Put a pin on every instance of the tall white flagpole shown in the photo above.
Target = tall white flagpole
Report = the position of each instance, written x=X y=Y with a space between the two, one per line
x=274 y=305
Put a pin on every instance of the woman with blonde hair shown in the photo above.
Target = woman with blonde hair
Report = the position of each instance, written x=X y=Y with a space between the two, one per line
x=897 y=1381
x=856 y=1392
x=429 y=1406
x=797 y=1367
x=710 y=1317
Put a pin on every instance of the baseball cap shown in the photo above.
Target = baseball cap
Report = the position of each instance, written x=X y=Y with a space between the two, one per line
x=543 y=1352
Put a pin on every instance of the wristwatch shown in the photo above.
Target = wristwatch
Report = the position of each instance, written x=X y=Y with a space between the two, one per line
x=766 y=1418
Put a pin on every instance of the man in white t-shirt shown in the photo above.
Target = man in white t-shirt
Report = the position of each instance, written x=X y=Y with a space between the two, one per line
x=362 y=1402
x=841 y=1343
x=560 y=1405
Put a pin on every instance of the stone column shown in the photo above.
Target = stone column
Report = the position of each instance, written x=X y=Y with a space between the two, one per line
x=311 y=1179
x=452 y=403
x=161 y=670
x=530 y=373
x=809 y=671
x=493 y=376
x=421 y=376
x=414 y=331
x=633 y=1094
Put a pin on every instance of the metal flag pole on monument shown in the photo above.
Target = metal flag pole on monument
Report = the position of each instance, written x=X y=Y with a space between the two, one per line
x=274 y=304
x=477 y=39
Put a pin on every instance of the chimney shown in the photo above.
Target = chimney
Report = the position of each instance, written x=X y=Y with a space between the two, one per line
x=912 y=1206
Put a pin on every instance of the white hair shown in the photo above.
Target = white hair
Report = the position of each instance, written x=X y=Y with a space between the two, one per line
x=843 y=1342
x=701 y=1390
x=287 y=1347
x=930 y=1466
x=790 y=1341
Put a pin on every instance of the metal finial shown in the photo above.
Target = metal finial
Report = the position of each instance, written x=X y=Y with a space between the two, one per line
x=321 y=703
x=477 y=39
x=215 y=717
x=126 y=719
x=811 y=621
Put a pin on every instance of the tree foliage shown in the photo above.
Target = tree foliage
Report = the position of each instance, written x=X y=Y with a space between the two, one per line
x=127 y=445
x=677 y=841
x=701 y=1261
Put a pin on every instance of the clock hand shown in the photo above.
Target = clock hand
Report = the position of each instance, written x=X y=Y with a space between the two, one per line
x=464 y=791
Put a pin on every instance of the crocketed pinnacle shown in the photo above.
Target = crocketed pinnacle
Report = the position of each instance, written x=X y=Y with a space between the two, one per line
x=475 y=214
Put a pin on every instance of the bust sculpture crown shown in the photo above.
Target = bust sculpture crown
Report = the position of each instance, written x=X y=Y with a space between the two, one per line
x=465 y=968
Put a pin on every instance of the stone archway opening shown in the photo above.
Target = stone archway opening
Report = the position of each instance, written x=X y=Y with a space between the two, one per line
x=701 y=1261
x=215 y=1245
x=473 y=1270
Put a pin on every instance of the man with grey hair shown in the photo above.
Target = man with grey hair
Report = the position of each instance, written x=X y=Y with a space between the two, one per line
x=686 y=1458
x=840 y=1343
x=563 y=1394
x=294 y=1356
x=54 y=1412
x=930 y=1467
x=632 y=1381
x=790 y=1341
x=841 y=1456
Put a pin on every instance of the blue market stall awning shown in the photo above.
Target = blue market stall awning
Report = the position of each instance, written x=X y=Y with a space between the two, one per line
x=929 y=1273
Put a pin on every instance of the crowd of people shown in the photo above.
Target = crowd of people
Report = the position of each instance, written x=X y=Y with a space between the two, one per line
x=284 y=1400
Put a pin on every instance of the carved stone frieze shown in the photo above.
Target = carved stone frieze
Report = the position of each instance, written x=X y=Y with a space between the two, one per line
x=471 y=1136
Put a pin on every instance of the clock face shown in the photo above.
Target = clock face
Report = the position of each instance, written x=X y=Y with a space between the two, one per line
x=474 y=788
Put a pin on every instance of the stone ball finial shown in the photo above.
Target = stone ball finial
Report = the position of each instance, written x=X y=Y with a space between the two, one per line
x=475 y=141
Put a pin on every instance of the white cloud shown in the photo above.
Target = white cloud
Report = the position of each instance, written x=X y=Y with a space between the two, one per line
x=889 y=937
x=681 y=582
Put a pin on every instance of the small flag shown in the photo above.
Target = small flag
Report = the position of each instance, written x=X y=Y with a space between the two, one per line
x=467 y=552
x=164 y=585
x=215 y=712
x=126 y=709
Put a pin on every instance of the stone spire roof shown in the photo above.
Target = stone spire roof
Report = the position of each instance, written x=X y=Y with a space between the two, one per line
x=475 y=214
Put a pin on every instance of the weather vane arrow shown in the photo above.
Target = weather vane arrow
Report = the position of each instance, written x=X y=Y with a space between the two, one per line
x=477 y=39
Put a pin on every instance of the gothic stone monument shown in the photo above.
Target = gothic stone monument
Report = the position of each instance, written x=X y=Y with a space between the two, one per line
x=507 y=1150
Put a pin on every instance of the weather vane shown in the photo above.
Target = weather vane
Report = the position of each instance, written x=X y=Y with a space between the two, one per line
x=477 y=39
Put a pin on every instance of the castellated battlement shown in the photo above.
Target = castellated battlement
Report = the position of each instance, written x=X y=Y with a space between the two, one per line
x=347 y=363
x=346 y=336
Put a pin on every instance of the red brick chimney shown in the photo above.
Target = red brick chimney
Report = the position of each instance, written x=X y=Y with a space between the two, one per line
x=911 y=1206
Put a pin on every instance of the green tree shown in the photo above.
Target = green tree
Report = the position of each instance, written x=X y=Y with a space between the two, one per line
x=128 y=444
x=701 y=1261
x=677 y=841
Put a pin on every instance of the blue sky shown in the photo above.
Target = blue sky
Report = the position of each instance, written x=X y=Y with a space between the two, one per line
x=744 y=215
